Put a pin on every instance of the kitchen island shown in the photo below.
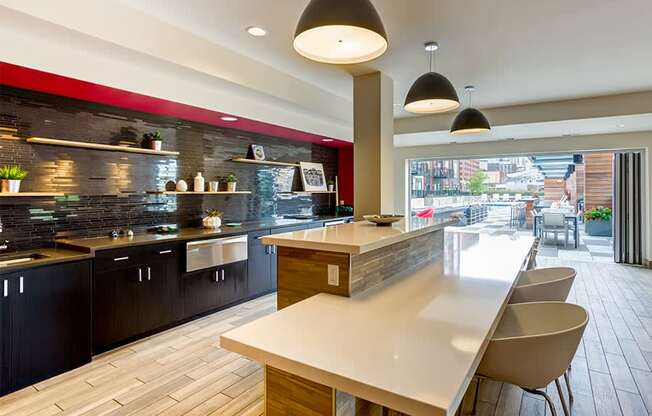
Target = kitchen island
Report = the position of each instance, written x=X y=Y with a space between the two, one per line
x=408 y=345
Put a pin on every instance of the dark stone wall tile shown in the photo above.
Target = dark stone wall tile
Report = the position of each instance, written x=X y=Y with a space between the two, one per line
x=108 y=190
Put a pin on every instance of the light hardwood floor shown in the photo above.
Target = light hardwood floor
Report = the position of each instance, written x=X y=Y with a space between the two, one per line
x=184 y=371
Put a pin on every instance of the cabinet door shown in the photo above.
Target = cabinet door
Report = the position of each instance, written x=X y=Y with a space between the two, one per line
x=5 y=338
x=233 y=283
x=116 y=298
x=201 y=292
x=259 y=265
x=50 y=322
x=160 y=301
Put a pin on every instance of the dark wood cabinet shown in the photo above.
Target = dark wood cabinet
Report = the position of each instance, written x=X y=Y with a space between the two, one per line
x=136 y=291
x=45 y=315
x=211 y=289
x=259 y=270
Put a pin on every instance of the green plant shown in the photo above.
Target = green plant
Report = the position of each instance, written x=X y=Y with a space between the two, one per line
x=214 y=212
x=157 y=136
x=599 y=213
x=476 y=183
x=231 y=178
x=330 y=182
x=12 y=172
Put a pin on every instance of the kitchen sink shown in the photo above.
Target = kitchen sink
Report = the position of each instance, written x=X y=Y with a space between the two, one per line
x=20 y=258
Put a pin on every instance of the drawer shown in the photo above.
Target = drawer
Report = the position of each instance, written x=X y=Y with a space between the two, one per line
x=205 y=254
x=118 y=258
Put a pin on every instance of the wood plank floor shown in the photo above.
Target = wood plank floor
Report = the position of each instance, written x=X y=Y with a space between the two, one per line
x=184 y=371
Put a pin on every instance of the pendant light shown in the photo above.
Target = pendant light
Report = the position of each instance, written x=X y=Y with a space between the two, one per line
x=431 y=92
x=470 y=120
x=340 y=32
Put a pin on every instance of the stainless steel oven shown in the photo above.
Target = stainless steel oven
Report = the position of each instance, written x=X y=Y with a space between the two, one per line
x=206 y=254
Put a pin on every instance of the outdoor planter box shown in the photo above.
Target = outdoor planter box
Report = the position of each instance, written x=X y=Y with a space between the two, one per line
x=598 y=228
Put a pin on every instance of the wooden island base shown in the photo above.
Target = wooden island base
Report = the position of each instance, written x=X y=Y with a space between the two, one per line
x=289 y=394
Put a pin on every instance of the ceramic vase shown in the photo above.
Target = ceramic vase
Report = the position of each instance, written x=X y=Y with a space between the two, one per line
x=11 y=186
x=182 y=186
x=231 y=186
x=212 y=222
x=157 y=145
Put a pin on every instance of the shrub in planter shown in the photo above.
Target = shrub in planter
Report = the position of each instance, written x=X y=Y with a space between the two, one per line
x=598 y=221
x=11 y=177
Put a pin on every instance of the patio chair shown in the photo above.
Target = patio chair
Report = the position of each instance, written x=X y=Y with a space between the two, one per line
x=554 y=222
x=518 y=197
x=495 y=197
x=484 y=197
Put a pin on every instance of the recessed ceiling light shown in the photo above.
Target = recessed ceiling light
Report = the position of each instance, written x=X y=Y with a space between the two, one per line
x=256 y=31
x=622 y=126
x=229 y=118
x=327 y=140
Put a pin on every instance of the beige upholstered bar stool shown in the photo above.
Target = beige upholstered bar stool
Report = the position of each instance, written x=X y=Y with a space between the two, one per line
x=533 y=346
x=551 y=284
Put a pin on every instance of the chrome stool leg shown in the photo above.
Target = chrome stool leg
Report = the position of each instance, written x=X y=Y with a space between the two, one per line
x=545 y=396
x=564 y=406
x=568 y=386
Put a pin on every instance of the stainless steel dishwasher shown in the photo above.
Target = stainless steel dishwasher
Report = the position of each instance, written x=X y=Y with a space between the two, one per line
x=206 y=254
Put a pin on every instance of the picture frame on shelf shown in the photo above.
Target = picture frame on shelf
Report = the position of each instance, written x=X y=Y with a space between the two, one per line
x=313 y=177
x=256 y=152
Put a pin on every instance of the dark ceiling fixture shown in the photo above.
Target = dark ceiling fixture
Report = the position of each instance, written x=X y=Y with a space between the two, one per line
x=432 y=92
x=340 y=32
x=470 y=120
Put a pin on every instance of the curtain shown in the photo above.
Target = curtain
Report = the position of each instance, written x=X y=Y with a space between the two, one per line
x=627 y=208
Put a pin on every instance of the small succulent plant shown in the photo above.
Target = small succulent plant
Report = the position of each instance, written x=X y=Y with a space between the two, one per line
x=12 y=172
x=155 y=136
x=231 y=178
x=214 y=212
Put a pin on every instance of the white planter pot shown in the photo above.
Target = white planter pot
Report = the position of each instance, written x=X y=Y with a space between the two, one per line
x=230 y=187
x=212 y=222
x=157 y=145
x=331 y=188
x=11 y=186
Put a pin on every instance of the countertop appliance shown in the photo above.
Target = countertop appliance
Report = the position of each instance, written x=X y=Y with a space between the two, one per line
x=206 y=254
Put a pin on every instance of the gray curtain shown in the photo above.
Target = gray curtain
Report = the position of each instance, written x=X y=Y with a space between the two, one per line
x=627 y=208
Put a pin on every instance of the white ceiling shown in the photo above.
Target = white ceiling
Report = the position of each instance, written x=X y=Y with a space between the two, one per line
x=565 y=128
x=513 y=51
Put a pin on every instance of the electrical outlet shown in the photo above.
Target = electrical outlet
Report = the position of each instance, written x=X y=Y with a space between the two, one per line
x=333 y=275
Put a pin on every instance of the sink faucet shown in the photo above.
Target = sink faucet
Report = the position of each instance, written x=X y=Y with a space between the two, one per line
x=3 y=246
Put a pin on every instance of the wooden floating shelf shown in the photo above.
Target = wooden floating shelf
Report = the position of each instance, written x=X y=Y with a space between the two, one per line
x=97 y=146
x=202 y=193
x=264 y=162
x=30 y=194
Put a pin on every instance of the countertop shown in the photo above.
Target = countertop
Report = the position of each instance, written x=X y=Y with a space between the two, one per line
x=107 y=243
x=412 y=343
x=52 y=256
x=358 y=237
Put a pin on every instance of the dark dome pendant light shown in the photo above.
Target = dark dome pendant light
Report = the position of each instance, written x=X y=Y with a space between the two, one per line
x=340 y=32
x=470 y=120
x=432 y=92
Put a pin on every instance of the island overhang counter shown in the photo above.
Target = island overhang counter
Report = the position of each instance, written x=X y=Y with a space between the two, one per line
x=410 y=344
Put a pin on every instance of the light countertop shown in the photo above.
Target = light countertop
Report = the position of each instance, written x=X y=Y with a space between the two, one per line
x=412 y=343
x=358 y=237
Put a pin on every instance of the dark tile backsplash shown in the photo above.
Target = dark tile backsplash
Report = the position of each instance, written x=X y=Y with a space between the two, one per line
x=107 y=190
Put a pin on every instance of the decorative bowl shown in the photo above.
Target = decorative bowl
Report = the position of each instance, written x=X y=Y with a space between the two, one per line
x=383 y=220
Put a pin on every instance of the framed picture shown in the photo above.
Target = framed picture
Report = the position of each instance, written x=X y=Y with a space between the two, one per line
x=256 y=152
x=312 y=176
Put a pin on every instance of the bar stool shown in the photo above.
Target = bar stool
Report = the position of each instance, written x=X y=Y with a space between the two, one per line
x=532 y=258
x=534 y=345
x=539 y=285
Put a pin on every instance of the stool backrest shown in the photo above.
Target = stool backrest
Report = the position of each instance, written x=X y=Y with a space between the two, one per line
x=553 y=219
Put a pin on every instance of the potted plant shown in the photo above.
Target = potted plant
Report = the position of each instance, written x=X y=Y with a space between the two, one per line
x=213 y=219
x=11 y=176
x=231 y=182
x=331 y=185
x=598 y=222
x=153 y=140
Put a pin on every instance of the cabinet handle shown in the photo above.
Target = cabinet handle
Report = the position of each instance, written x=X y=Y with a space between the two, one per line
x=21 y=285
x=272 y=249
x=149 y=273
x=5 y=290
x=140 y=275
x=121 y=258
x=165 y=252
x=222 y=274
x=217 y=278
